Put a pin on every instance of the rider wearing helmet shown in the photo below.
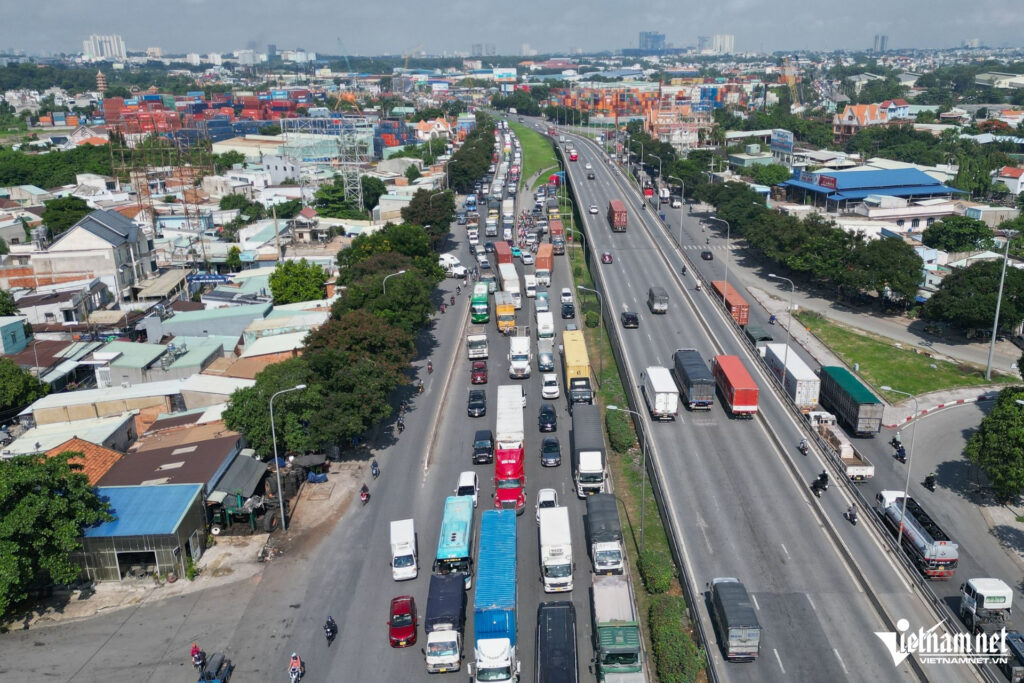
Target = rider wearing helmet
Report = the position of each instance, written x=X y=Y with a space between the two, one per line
x=295 y=664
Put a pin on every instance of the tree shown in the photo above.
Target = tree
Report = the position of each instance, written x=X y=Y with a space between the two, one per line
x=353 y=336
x=412 y=173
x=967 y=297
x=63 y=212
x=331 y=203
x=997 y=447
x=1019 y=201
x=18 y=388
x=295 y=281
x=373 y=188
x=288 y=209
x=222 y=162
x=231 y=202
x=4 y=249
x=234 y=259
x=407 y=304
x=434 y=211
x=7 y=304
x=771 y=174
x=44 y=507
x=957 y=233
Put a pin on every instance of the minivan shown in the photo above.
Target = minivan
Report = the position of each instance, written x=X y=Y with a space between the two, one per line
x=468 y=485
x=555 y=658
x=657 y=300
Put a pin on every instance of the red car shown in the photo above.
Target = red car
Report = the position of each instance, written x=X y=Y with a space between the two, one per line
x=606 y=257
x=402 y=624
x=478 y=372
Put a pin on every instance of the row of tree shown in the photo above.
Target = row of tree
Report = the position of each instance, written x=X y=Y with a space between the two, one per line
x=471 y=161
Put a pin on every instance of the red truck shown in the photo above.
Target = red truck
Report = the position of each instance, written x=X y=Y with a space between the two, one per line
x=557 y=233
x=737 y=306
x=544 y=264
x=736 y=385
x=573 y=155
x=503 y=252
x=552 y=131
x=510 y=479
x=617 y=215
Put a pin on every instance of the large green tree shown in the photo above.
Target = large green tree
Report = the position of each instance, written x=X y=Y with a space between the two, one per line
x=770 y=174
x=406 y=304
x=18 y=388
x=8 y=306
x=63 y=212
x=44 y=507
x=958 y=233
x=373 y=188
x=997 y=447
x=331 y=202
x=967 y=297
x=434 y=211
x=295 y=281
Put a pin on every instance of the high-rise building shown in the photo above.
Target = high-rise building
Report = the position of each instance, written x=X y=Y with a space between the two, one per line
x=651 y=41
x=271 y=50
x=490 y=50
x=881 y=43
x=703 y=44
x=104 y=47
x=476 y=50
x=722 y=43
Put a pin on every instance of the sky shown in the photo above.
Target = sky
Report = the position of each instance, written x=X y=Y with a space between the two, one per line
x=399 y=26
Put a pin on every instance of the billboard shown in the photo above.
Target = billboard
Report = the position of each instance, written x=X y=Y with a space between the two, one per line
x=504 y=74
x=827 y=181
x=782 y=141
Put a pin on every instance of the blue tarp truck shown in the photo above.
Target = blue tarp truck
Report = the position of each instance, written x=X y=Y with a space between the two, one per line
x=494 y=608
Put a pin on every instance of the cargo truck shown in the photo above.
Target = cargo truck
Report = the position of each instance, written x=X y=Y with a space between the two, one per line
x=491 y=226
x=556 y=232
x=403 y=550
x=476 y=343
x=576 y=365
x=617 y=215
x=660 y=393
x=739 y=393
x=502 y=252
x=735 y=620
x=616 y=631
x=509 y=463
x=588 y=452
x=504 y=312
x=798 y=380
x=556 y=643
x=519 y=356
x=604 y=534
x=855 y=466
x=556 y=563
x=509 y=279
x=663 y=196
x=696 y=383
x=986 y=605
x=737 y=306
x=494 y=606
x=545 y=325
x=444 y=623
x=926 y=544
x=508 y=212
x=852 y=402
x=544 y=265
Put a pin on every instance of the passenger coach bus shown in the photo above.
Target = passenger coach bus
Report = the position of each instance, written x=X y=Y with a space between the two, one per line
x=455 y=542
x=479 y=305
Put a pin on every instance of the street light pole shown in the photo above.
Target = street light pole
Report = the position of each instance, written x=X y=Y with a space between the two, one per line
x=659 y=164
x=789 y=323
x=600 y=324
x=999 y=300
x=277 y=464
x=910 y=461
x=643 y=473
x=384 y=282
x=681 y=202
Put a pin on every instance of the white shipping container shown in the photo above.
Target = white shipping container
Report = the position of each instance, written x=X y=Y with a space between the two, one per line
x=801 y=383
x=660 y=392
x=509 y=430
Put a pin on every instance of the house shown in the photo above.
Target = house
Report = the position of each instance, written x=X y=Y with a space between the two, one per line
x=1012 y=177
x=67 y=303
x=857 y=116
x=896 y=109
x=229 y=320
x=12 y=334
x=95 y=461
x=116 y=432
x=127 y=363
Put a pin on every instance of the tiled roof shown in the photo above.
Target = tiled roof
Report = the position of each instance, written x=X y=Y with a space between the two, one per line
x=97 y=461
x=1011 y=172
x=110 y=226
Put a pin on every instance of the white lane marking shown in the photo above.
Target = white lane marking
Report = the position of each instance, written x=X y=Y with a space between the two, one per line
x=841 y=662
x=779 y=660
x=783 y=545
x=703 y=526
x=811 y=602
x=754 y=600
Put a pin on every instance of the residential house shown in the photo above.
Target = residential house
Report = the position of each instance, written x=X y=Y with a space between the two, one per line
x=858 y=116
x=1011 y=117
x=67 y=303
x=117 y=432
x=230 y=320
x=95 y=460
x=127 y=363
x=29 y=195
x=12 y=334
x=1012 y=177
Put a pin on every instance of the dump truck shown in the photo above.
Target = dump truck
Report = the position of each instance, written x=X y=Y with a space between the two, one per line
x=855 y=466
x=616 y=631
x=695 y=381
x=604 y=534
x=853 y=403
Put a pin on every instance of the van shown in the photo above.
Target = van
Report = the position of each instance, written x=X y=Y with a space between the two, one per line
x=468 y=485
x=555 y=658
x=530 y=280
x=506 y=234
x=735 y=620
x=403 y=550
x=657 y=300
x=545 y=325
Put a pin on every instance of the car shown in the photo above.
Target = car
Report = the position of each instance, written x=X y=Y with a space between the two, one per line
x=565 y=296
x=546 y=498
x=588 y=166
x=541 y=304
x=707 y=256
x=469 y=485
x=478 y=372
x=593 y=208
x=546 y=418
x=527 y=257
x=531 y=238
x=590 y=175
x=630 y=320
x=474 y=238
x=489 y=247
x=484 y=264
x=606 y=257
x=549 y=385
x=516 y=252
x=477 y=403
x=483 y=447
x=571 y=326
x=568 y=311
x=402 y=622
x=676 y=203
x=550 y=452
x=481 y=259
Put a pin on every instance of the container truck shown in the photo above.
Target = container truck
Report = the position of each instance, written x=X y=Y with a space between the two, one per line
x=403 y=550
x=556 y=563
x=736 y=386
x=660 y=393
x=494 y=606
x=444 y=623
x=508 y=212
x=509 y=463
x=616 y=631
x=556 y=643
x=734 y=302
x=546 y=355
x=798 y=380
x=604 y=534
x=588 y=453
x=617 y=215
x=735 y=620
x=576 y=365
x=476 y=343
x=925 y=543
x=696 y=383
x=556 y=231
x=852 y=402
x=519 y=355
x=504 y=312
x=855 y=466
x=544 y=265
x=985 y=605
x=510 y=283
x=502 y=252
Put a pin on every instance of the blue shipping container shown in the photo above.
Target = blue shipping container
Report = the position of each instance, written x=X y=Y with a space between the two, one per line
x=494 y=607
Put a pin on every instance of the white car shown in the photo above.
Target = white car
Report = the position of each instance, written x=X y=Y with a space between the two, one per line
x=527 y=257
x=566 y=296
x=481 y=259
x=546 y=498
x=676 y=203
x=549 y=386
x=588 y=166
x=593 y=208
x=469 y=485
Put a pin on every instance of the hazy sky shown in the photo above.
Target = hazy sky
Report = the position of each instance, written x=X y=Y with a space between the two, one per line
x=396 y=26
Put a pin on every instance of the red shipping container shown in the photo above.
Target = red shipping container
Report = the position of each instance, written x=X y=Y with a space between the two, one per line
x=737 y=306
x=736 y=385
x=503 y=252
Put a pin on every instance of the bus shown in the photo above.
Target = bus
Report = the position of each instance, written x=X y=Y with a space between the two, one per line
x=479 y=306
x=455 y=542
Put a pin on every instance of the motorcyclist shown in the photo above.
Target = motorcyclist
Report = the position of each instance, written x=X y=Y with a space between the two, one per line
x=851 y=513
x=698 y=286
x=375 y=469
x=401 y=425
x=452 y=301
x=929 y=481
x=684 y=270
x=458 y=289
x=198 y=657
x=330 y=628
x=643 y=205
x=364 y=493
x=430 y=367
x=295 y=665
x=803 y=445
x=771 y=319
x=823 y=478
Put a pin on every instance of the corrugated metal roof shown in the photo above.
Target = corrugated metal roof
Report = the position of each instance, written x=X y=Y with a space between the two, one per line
x=168 y=387
x=144 y=510
x=212 y=384
x=278 y=343
x=44 y=437
x=250 y=310
x=242 y=477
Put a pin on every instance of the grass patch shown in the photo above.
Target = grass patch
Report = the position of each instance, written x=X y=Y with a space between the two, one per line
x=883 y=363
x=537 y=150
x=542 y=179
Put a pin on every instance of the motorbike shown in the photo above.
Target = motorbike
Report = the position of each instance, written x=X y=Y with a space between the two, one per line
x=451 y=301
x=295 y=673
x=419 y=387
x=430 y=367
x=643 y=206
x=901 y=454
x=401 y=426
x=364 y=494
x=851 y=516
x=698 y=286
x=895 y=443
x=330 y=631
x=929 y=482
x=820 y=485
x=375 y=469
x=442 y=309
x=771 y=320
x=683 y=270
x=199 y=661
x=803 y=447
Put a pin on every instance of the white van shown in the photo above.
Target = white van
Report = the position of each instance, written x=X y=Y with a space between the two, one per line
x=473 y=235
x=545 y=325
x=531 y=284
x=506 y=234
x=469 y=485
x=403 y=550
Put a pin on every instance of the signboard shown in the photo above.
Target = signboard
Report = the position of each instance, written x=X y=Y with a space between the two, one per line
x=808 y=177
x=827 y=181
x=782 y=141
x=504 y=74
x=208 y=277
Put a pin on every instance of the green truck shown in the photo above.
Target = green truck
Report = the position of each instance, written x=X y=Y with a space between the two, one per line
x=851 y=402
x=616 y=631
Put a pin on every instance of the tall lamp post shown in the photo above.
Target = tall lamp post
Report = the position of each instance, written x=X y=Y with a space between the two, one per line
x=659 y=164
x=384 y=283
x=643 y=472
x=681 y=189
x=277 y=465
x=728 y=229
x=789 y=323
x=910 y=461
x=600 y=324
x=1009 y=234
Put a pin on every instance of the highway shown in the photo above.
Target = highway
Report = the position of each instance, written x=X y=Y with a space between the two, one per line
x=737 y=491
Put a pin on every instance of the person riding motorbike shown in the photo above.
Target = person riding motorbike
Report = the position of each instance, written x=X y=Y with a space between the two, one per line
x=442 y=307
x=698 y=286
x=458 y=289
x=851 y=514
x=430 y=367
x=198 y=657
x=375 y=469
x=643 y=205
x=929 y=481
x=330 y=628
x=452 y=301
x=803 y=446
x=419 y=386
x=772 y=319
x=401 y=426
x=684 y=270
x=364 y=494
x=295 y=665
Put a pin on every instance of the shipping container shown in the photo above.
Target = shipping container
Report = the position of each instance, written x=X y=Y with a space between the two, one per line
x=852 y=402
x=801 y=384
x=734 y=302
x=736 y=386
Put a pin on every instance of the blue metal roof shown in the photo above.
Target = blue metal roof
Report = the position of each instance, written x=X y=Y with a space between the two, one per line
x=914 y=191
x=144 y=510
x=899 y=182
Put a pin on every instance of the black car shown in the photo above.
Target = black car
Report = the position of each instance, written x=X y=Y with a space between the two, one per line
x=483 y=447
x=477 y=406
x=630 y=320
x=489 y=247
x=707 y=256
x=568 y=311
x=547 y=420
x=590 y=175
x=550 y=452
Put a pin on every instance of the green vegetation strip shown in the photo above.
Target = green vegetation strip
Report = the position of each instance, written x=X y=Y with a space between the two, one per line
x=537 y=150
x=882 y=362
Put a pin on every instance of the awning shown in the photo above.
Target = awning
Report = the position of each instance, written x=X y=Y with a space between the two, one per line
x=161 y=286
x=242 y=477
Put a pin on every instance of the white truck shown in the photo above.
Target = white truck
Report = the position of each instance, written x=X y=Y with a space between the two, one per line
x=530 y=283
x=404 y=563
x=476 y=343
x=986 y=605
x=589 y=463
x=491 y=226
x=510 y=283
x=555 y=549
x=663 y=196
x=519 y=356
x=451 y=265
x=604 y=534
x=855 y=466
x=445 y=622
x=660 y=392
x=545 y=325
x=801 y=383
x=508 y=212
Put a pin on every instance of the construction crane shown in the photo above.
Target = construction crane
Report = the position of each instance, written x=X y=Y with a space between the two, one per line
x=344 y=54
x=791 y=75
x=408 y=54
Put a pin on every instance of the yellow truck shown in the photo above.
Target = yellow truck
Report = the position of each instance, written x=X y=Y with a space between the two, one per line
x=576 y=365
x=504 y=312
